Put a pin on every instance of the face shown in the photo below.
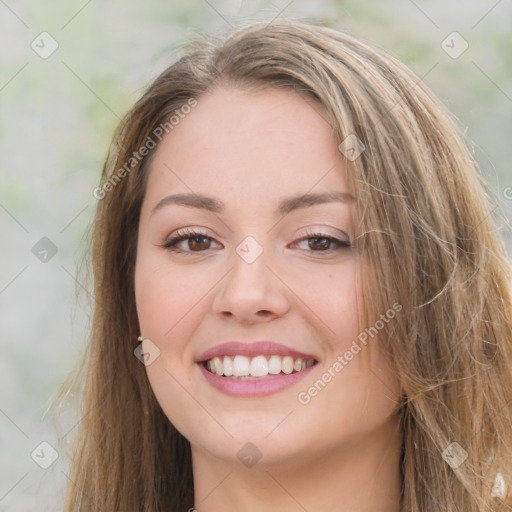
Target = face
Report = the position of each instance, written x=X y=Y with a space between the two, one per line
x=256 y=255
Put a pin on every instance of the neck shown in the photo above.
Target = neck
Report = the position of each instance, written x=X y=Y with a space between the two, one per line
x=362 y=477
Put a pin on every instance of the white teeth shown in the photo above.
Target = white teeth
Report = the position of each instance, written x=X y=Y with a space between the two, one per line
x=241 y=366
x=287 y=364
x=274 y=365
x=228 y=366
x=259 y=366
x=218 y=366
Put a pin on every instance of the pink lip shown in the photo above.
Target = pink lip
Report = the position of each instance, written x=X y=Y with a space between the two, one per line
x=258 y=348
x=254 y=388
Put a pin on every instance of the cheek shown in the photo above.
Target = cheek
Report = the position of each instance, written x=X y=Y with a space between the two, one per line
x=352 y=355
x=169 y=309
x=167 y=298
x=334 y=298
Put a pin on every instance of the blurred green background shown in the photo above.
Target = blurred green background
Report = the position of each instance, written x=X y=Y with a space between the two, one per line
x=58 y=112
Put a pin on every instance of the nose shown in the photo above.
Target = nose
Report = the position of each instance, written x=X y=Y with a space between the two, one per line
x=252 y=292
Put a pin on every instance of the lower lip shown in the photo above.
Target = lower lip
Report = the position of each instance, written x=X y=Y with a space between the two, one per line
x=261 y=387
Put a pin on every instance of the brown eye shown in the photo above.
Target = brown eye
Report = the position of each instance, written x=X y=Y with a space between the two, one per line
x=187 y=242
x=198 y=243
x=320 y=243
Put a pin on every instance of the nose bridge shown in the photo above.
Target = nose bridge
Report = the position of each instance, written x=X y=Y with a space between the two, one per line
x=251 y=288
x=249 y=276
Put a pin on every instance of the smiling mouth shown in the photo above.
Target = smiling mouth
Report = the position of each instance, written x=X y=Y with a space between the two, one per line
x=258 y=367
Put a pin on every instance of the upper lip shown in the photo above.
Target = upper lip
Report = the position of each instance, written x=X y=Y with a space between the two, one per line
x=253 y=349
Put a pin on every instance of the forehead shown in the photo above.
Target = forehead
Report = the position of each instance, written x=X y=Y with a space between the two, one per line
x=252 y=144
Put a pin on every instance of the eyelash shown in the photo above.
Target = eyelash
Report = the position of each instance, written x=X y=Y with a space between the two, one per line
x=186 y=234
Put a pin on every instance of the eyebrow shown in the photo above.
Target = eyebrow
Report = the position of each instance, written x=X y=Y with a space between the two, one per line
x=286 y=206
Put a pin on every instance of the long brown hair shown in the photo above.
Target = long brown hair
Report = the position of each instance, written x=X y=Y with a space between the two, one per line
x=425 y=226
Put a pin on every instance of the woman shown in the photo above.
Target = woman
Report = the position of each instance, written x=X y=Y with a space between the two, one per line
x=301 y=301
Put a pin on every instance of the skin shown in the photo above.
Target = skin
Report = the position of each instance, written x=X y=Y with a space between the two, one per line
x=340 y=451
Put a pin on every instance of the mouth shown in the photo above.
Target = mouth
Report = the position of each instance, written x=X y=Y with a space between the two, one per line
x=254 y=369
x=240 y=367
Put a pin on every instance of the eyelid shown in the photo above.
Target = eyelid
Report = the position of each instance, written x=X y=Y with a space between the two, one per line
x=183 y=234
x=323 y=231
x=191 y=231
